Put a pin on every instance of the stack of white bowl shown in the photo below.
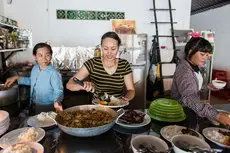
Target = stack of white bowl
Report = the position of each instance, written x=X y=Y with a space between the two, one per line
x=4 y=121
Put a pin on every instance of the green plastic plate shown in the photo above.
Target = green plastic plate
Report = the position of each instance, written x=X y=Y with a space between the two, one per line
x=167 y=109
x=162 y=119
x=166 y=114
x=166 y=102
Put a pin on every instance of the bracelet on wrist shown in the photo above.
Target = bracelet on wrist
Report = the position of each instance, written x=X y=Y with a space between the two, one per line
x=126 y=97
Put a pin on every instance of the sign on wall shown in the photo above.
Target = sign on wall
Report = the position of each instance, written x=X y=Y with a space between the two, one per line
x=124 y=26
x=88 y=15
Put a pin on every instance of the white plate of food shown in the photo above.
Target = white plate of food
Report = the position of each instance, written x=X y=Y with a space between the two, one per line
x=221 y=111
x=27 y=147
x=133 y=119
x=168 y=132
x=42 y=120
x=219 y=136
x=114 y=103
x=27 y=134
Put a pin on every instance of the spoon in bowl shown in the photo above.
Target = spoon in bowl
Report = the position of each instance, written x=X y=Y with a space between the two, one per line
x=197 y=149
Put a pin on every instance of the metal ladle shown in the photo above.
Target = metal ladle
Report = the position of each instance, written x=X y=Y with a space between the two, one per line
x=197 y=149
x=151 y=149
x=97 y=93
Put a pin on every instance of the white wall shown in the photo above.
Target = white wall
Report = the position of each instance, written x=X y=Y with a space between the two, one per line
x=218 y=21
x=40 y=17
x=30 y=14
x=1 y=7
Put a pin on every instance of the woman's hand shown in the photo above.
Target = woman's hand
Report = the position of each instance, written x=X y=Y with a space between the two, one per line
x=223 y=119
x=58 y=107
x=10 y=81
x=124 y=99
x=211 y=87
x=88 y=86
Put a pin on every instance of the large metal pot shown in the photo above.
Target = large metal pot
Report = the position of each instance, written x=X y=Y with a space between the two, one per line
x=24 y=93
x=88 y=132
x=8 y=96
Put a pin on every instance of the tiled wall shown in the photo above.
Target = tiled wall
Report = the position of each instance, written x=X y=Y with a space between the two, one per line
x=88 y=15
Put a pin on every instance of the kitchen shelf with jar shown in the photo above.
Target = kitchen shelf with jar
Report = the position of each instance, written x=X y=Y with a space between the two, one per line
x=12 y=40
x=4 y=57
x=12 y=50
x=8 y=26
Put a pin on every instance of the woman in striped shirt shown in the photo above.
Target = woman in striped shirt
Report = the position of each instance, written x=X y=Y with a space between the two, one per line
x=187 y=80
x=107 y=73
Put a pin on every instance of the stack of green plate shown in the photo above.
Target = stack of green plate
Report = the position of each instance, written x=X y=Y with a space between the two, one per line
x=166 y=110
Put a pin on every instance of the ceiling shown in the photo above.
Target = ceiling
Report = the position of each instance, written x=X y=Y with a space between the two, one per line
x=204 y=5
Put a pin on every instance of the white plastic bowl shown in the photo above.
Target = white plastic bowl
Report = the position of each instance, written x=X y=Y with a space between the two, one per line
x=219 y=84
x=4 y=115
x=4 y=129
x=188 y=139
x=148 y=141
x=4 y=125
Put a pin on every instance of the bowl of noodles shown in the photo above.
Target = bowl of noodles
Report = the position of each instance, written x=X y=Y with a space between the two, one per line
x=86 y=120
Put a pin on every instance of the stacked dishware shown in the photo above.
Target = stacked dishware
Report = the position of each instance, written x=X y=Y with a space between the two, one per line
x=4 y=121
x=166 y=110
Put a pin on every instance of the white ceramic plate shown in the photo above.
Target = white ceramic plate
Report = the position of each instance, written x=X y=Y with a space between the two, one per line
x=168 y=132
x=119 y=104
x=146 y=121
x=11 y=137
x=34 y=122
x=36 y=147
x=214 y=122
x=206 y=132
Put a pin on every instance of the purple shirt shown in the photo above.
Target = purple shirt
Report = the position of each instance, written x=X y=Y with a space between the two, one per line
x=185 y=89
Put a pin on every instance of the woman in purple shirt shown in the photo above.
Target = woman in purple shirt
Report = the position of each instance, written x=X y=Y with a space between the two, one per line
x=187 y=80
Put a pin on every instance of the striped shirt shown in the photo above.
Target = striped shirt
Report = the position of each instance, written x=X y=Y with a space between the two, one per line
x=112 y=84
x=185 y=89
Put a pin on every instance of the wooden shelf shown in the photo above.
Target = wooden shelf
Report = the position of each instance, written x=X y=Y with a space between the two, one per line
x=12 y=50
x=8 y=25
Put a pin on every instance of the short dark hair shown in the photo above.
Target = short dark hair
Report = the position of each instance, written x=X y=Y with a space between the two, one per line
x=197 y=44
x=112 y=35
x=42 y=45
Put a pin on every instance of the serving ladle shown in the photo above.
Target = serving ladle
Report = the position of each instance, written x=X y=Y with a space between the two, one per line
x=151 y=149
x=97 y=93
x=197 y=149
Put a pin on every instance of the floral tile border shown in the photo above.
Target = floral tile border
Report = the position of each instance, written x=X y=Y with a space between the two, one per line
x=88 y=15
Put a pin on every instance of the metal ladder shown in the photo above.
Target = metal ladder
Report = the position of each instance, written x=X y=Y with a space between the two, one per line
x=155 y=58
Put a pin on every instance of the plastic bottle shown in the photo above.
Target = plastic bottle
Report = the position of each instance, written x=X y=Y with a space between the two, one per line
x=97 y=51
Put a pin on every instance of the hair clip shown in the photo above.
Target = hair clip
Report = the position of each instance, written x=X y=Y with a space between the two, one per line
x=195 y=35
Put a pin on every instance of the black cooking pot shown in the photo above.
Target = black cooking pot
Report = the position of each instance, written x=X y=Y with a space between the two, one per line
x=8 y=95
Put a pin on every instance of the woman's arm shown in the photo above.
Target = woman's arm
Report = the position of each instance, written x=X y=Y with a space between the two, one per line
x=187 y=88
x=21 y=80
x=11 y=80
x=81 y=75
x=56 y=82
x=24 y=81
x=129 y=86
